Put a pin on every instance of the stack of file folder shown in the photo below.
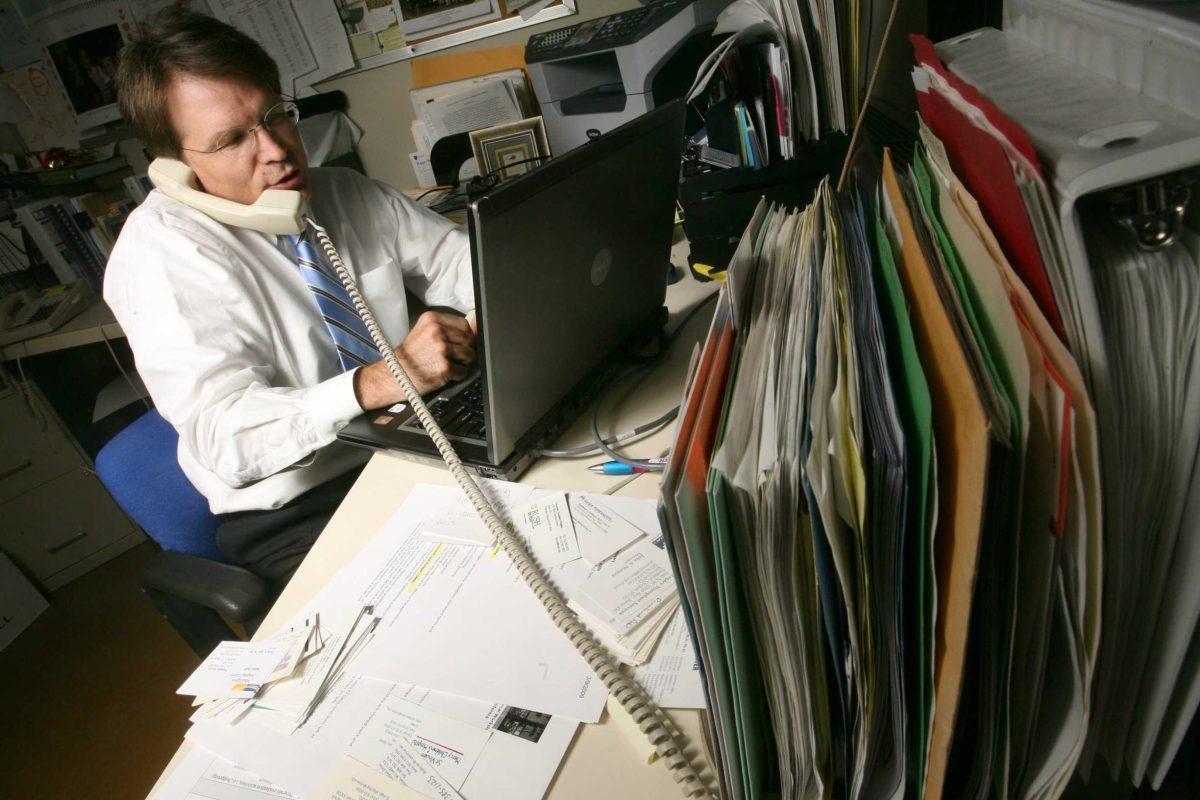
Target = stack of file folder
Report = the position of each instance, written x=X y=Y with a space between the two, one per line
x=777 y=98
x=932 y=499
x=883 y=504
x=788 y=72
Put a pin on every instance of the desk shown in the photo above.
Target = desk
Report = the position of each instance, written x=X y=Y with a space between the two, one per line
x=600 y=762
x=94 y=324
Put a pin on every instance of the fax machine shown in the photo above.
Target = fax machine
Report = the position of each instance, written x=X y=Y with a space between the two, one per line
x=592 y=76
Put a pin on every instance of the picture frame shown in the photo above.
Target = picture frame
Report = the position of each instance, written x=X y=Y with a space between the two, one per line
x=511 y=149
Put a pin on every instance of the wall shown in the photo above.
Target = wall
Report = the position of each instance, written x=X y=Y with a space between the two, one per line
x=379 y=97
x=894 y=88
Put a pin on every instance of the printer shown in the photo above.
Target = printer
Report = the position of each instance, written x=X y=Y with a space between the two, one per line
x=593 y=76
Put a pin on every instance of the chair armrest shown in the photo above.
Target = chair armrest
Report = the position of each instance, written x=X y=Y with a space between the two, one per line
x=235 y=593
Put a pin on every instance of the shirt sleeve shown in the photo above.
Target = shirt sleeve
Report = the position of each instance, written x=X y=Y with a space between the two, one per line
x=206 y=356
x=434 y=254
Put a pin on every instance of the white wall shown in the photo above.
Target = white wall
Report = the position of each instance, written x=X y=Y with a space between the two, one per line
x=379 y=97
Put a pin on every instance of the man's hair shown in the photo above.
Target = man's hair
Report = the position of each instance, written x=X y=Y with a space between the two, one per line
x=182 y=42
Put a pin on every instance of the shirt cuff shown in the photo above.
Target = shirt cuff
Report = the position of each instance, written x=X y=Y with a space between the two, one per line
x=331 y=404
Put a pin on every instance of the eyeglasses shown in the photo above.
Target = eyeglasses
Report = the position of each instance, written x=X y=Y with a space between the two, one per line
x=279 y=118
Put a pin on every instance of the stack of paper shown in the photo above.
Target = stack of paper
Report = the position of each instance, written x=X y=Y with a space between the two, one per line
x=283 y=679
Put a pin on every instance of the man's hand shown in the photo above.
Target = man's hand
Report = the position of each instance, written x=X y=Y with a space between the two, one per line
x=439 y=349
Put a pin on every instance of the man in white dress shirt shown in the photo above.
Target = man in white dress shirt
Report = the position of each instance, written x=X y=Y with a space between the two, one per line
x=225 y=331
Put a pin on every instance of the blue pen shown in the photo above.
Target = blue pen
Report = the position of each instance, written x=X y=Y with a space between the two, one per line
x=619 y=468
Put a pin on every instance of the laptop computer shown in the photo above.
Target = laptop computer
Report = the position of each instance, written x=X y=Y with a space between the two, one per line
x=570 y=269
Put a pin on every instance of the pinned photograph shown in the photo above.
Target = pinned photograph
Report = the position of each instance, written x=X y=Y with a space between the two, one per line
x=87 y=64
x=82 y=42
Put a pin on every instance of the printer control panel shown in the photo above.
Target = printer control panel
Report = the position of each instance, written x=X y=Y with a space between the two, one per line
x=603 y=33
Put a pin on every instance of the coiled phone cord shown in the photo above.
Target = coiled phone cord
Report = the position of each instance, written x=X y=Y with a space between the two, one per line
x=649 y=718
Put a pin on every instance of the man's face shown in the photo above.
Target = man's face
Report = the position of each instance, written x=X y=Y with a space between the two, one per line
x=208 y=112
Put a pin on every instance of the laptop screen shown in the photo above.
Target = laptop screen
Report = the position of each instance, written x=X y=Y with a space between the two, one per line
x=571 y=259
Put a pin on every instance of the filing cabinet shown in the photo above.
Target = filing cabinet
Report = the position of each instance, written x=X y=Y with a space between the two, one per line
x=56 y=519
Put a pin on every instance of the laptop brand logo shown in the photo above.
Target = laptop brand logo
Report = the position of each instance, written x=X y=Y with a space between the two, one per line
x=600 y=266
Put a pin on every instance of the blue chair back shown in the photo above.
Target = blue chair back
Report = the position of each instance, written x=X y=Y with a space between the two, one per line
x=139 y=468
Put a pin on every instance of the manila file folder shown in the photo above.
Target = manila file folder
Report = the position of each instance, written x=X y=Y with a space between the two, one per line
x=963 y=442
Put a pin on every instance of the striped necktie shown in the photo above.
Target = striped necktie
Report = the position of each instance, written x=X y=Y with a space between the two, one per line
x=350 y=335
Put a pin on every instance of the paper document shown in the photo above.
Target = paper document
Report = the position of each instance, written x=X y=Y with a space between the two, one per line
x=601 y=530
x=625 y=589
x=528 y=725
x=452 y=518
x=448 y=610
x=203 y=775
x=425 y=751
x=672 y=676
x=276 y=27
x=480 y=106
x=342 y=630
x=239 y=669
x=358 y=709
x=323 y=29
x=354 y=780
x=545 y=525
x=614 y=577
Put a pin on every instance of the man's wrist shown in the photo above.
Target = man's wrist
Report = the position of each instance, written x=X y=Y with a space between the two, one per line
x=365 y=391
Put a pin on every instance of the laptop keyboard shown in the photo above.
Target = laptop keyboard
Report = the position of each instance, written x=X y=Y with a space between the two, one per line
x=460 y=415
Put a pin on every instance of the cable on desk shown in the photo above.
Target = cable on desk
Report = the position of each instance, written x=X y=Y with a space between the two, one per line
x=649 y=718
x=602 y=444
x=647 y=428
x=428 y=192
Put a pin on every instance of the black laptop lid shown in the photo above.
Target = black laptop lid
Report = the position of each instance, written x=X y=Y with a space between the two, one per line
x=570 y=259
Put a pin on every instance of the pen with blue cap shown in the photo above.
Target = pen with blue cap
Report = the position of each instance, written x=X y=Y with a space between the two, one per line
x=620 y=468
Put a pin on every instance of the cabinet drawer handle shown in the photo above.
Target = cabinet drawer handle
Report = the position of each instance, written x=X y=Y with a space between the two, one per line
x=55 y=548
x=13 y=470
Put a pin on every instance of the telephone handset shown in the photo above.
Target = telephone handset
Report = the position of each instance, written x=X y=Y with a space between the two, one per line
x=285 y=212
x=276 y=211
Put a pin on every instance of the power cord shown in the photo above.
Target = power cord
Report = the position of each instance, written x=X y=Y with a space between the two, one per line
x=645 y=429
x=649 y=718
x=602 y=444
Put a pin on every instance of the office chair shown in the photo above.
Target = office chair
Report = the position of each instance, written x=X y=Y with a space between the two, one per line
x=188 y=583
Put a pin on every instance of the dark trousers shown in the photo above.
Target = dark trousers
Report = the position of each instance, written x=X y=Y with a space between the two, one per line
x=272 y=543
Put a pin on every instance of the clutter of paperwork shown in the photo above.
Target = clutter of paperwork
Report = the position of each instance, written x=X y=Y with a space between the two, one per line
x=426 y=663
x=446 y=609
